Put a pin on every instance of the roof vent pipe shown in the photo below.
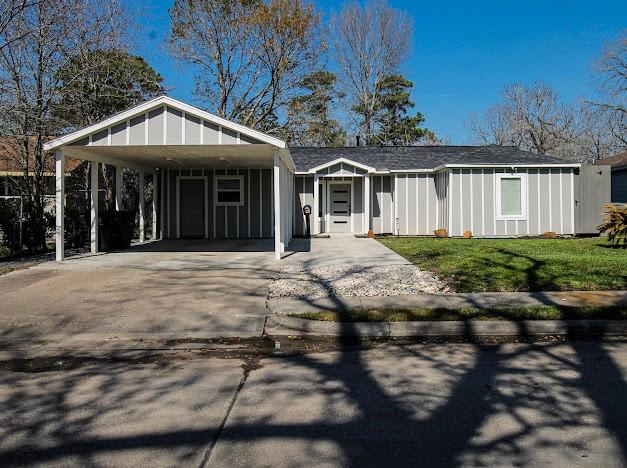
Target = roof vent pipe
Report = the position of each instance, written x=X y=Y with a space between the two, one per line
x=357 y=139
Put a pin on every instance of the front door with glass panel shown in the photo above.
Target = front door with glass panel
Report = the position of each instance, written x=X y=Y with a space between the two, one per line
x=340 y=207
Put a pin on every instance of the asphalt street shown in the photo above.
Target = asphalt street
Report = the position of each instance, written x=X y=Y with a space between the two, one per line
x=463 y=404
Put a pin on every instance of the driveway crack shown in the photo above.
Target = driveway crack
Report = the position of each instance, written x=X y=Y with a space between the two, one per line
x=206 y=459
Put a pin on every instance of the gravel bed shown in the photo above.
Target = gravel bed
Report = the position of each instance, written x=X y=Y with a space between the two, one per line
x=387 y=280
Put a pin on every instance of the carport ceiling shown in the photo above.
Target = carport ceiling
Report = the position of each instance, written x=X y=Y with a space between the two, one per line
x=181 y=156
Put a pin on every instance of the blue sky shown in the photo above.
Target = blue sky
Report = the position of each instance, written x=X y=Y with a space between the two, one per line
x=462 y=52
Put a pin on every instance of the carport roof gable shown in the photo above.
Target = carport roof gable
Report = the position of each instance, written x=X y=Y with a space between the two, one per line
x=153 y=104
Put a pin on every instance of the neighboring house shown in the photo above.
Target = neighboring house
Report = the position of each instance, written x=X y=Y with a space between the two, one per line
x=218 y=179
x=618 y=164
x=12 y=171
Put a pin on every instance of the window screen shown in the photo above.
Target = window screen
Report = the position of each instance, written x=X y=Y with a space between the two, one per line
x=229 y=191
x=511 y=196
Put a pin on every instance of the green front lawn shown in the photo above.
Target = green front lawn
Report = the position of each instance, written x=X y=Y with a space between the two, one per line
x=475 y=265
x=470 y=313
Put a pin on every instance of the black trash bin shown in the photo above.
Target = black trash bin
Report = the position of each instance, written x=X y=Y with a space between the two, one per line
x=105 y=231
x=115 y=230
x=124 y=227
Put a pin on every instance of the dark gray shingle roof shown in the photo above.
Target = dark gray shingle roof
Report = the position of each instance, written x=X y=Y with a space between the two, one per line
x=417 y=157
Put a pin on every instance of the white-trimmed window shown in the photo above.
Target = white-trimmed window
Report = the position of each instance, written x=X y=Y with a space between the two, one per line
x=229 y=190
x=511 y=196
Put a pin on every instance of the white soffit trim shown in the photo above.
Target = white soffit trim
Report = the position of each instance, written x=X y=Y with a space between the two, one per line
x=153 y=104
x=342 y=160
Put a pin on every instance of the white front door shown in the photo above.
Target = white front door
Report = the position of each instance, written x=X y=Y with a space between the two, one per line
x=340 y=207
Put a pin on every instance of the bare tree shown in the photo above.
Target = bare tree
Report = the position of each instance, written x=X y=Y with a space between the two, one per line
x=612 y=68
x=48 y=34
x=599 y=132
x=9 y=11
x=611 y=77
x=370 y=42
x=250 y=55
x=532 y=118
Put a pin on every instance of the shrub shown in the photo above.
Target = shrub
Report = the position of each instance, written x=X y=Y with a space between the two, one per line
x=615 y=224
x=9 y=225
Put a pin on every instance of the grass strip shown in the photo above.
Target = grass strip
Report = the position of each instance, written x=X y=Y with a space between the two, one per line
x=470 y=313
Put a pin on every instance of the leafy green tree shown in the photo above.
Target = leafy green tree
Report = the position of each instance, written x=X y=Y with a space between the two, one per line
x=395 y=126
x=309 y=115
x=100 y=83
x=95 y=85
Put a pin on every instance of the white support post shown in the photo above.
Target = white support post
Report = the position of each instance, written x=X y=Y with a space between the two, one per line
x=316 y=207
x=367 y=203
x=93 y=204
x=118 y=188
x=142 y=217
x=162 y=209
x=155 y=196
x=277 y=206
x=60 y=205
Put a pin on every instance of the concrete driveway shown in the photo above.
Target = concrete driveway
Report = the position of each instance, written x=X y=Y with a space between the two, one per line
x=168 y=289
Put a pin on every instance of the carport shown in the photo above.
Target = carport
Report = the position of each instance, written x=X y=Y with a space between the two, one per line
x=212 y=178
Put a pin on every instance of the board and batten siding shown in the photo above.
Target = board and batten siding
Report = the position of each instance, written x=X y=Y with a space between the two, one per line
x=592 y=191
x=442 y=190
x=382 y=203
x=472 y=202
x=416 y=204
x=165 y=125
x=254 y=219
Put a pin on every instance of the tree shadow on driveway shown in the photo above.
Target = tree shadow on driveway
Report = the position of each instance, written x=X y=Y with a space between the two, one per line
x=406 y=405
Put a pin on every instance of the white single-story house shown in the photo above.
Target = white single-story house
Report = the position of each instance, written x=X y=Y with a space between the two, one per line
x=216 y=179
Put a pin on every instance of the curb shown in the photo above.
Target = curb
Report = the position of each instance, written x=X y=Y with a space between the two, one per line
x=450 y=328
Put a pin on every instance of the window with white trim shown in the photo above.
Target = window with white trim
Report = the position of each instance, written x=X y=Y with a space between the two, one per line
x=229 y=190
x=511 y=196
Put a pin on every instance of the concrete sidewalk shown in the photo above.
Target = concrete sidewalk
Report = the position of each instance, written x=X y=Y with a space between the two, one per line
x=290 y=305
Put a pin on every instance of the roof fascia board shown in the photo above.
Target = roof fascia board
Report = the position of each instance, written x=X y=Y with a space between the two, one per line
x=370 y=169
x=403 y=171
x=153 y=104
x=286 y=156
x=477 y=166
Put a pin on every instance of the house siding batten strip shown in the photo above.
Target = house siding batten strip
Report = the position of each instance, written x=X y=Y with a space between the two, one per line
x=450 y=202
x=561 y=174
x=494 y=201
x=407 y=204
x=550 y=200
x=482 y=203
x=572 y=201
